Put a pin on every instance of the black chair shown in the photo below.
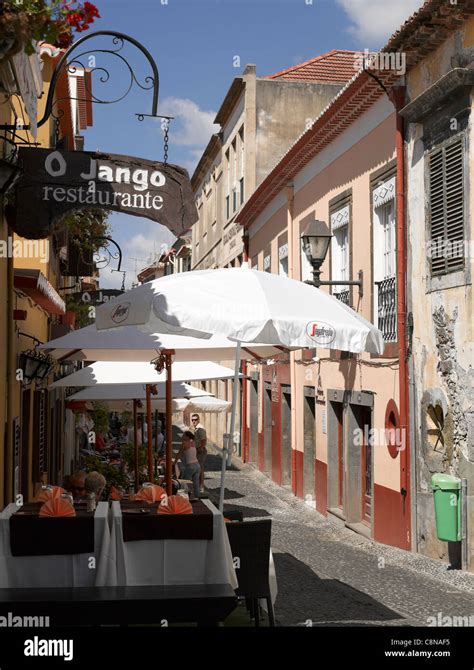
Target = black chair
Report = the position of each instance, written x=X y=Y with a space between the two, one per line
x=250 y=543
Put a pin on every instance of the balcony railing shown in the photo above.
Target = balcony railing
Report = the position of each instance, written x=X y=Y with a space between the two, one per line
x=343 y=296
x=387 y=309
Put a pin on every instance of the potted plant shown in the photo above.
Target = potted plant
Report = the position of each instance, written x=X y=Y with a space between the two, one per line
x=52 y=21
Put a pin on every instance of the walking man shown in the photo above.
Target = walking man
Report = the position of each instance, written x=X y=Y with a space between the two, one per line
x=200 y=440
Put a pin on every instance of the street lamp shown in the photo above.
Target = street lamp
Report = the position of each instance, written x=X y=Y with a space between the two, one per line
x=35 y=365
x=316 y=238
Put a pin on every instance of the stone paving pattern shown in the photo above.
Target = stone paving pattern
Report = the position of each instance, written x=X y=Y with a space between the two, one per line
x=330 y=575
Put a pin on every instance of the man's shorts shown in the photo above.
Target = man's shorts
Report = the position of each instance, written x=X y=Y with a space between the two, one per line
x=201 y=456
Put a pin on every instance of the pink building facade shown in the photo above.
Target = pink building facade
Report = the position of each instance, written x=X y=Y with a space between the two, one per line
x=316 y=421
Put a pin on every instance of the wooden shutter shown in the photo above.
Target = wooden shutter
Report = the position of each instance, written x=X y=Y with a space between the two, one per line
x=446 y=176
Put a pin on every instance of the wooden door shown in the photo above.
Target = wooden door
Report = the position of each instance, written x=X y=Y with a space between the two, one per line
x=267 y=430
x=366 y=464
x=253 y=402
x=338 y=408
x=309 y=444
x=286 y=438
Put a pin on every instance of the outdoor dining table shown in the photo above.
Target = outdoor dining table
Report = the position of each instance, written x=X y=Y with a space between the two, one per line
x=155 y=549
x=38 y=552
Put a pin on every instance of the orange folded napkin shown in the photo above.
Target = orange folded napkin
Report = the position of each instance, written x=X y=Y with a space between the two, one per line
x=175 y=505
x=115 y=493
x=47 y=494
x=150 y=494
x=57 y=507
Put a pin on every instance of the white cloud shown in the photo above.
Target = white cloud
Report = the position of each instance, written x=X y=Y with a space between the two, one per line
x=138 y=252
x=373 y=21
x=192 y=126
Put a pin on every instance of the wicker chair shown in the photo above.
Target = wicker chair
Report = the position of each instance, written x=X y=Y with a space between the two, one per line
x=250 y=543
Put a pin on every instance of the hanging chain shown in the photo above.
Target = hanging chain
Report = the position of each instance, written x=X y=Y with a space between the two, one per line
x=56 y=131
x=166 y=128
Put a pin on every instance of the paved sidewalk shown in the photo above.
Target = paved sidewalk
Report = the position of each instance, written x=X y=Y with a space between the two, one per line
x=330 y=575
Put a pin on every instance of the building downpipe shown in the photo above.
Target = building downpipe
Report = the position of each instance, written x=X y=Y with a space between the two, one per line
x=398 y=99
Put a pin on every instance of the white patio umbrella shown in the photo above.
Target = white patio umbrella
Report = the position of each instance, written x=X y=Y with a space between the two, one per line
x=209 y=404
x=119 y=374
x=120 y=397
x=129 y=343
x=106 y=372
x=132 y=344
x=245 y=305
x=185 y=397
x=136 y=391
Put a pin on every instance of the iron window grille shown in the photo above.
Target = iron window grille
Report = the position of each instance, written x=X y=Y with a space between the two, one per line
x=387 y=308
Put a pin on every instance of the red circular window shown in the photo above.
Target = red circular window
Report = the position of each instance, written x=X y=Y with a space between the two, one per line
x=392 y=428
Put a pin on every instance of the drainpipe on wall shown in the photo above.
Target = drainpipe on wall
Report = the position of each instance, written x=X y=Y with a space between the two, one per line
x=414 y=421
x=398 y=99
x=289 y=192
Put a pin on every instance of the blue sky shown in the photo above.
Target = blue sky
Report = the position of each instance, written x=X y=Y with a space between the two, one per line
x=195 y=44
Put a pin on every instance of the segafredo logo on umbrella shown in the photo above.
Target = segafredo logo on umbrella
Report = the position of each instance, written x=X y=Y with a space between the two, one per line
x=320 y=332
x=120 y=313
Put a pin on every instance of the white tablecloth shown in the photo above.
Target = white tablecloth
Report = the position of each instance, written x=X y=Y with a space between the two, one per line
x=170 y=562
x=66 y=570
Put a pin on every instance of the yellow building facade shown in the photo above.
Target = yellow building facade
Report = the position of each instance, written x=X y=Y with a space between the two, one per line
x=32 y=304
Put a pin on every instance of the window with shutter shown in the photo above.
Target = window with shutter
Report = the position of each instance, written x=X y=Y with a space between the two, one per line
x=446 y=208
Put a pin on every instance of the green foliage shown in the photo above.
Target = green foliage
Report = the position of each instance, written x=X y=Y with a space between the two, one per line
x=100 y=414
x=112 y=475
x=85 y=224
x=75 y=304
x=126 y=419
x=128 y=456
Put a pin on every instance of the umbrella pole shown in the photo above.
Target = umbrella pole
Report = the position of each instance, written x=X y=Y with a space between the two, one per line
x=150 y=433
x=169 y=422
x=228 y=442
x=135 y=439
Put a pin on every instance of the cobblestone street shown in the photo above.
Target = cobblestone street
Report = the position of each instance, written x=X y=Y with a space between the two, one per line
x=334 y=577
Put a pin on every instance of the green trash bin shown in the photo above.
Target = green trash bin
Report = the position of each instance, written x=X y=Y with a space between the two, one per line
x=447 y=502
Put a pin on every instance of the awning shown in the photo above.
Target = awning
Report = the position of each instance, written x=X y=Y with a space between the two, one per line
x=35 y=285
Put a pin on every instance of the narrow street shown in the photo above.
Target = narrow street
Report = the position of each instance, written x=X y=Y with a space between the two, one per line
x=330 y=575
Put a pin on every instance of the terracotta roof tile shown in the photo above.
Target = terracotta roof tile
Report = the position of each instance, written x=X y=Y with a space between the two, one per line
x=335 y=66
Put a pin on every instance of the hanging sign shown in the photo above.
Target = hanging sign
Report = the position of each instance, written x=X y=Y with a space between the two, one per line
x=98 y=297
x=54 y=182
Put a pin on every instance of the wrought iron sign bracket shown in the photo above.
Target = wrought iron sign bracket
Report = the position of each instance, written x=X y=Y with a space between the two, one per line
x=72 y=60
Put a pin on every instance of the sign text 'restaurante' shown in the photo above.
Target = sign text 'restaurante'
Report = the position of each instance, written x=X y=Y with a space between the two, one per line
x=54 y=182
